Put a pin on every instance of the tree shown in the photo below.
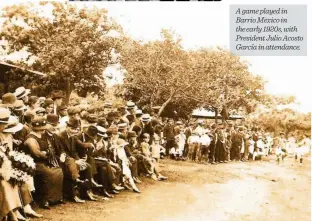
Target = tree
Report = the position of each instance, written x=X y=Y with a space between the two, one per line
x=226 y=83
x=72 y=46
x=157 y=72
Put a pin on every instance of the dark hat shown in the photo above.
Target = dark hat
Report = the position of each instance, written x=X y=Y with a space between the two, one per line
x=47 y=102
x=8 y=100
x=53 y=119
x=62 y=107
x=73 y=110
x=92 y=109
x=73 y=122
x=282 y=133
x=57 y=94
x=39 y=123
x=102 y=122
x=92 y=131
x=137 y=129
x=132 y=134
x=109 y=133
x=21 y=92
x=130 y=117
x=92 y=118
x=33 y=99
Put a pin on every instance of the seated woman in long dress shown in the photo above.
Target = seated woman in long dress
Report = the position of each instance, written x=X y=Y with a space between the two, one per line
x=12 y=197
x=48 y=172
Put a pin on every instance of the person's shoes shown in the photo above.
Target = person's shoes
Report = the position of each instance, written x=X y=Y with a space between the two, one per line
x=161 y=178
x=45 y=205
x=78 y=200
x=114 y=192
x=136 y=180
x=33 y=214
x=61 y=201
x=118 y=188
x=90 y=196
x=136 y=190
x=96 y=185
x=127 y=187
x=106 y=194
x=154 y=177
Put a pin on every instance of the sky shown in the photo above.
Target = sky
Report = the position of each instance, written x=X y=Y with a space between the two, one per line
x=206 y=24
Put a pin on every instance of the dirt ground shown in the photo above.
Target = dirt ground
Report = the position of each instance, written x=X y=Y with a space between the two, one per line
x=226 y=192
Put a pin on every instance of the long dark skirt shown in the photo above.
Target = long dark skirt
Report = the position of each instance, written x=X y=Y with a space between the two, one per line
x=49 y=183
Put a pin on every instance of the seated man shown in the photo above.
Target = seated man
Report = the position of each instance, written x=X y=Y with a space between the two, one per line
x=73 y=166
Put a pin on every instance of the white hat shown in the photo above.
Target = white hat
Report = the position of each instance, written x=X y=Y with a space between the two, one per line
x=4 y=115
x=138 y=111
x=101 y=131
x=145 y=117
x=130 y=105
x=21 y=92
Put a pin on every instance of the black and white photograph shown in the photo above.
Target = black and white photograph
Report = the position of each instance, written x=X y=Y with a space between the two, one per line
x=155 y=111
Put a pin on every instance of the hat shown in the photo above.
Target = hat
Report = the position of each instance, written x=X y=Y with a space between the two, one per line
x=92 y=131
x=40 y=110
x=145 y=117
x=4 y=115
x=53 y=119
x=33 y=99
x=130 y=105
x=114 y=129
x=156 y=107
x=73 y=110
x=14 y=126
x=102 y=122
x=47 y=102
x=179 y=123
x=41 y=99
x=39 y=123
x=108 y=105
x=20 y=106
x=282 y=133
x=92 y=118
x=8 y=100
x=122 y=126
x=137 y=129
x=138 y=112
x=146 y=135
x=92 y=109
x=73 y=123
x=101 y=131
x=109 y=133
x=200 y=121
x=57 y=94
x=62 y=107
x=132 y=134
x=21 y=92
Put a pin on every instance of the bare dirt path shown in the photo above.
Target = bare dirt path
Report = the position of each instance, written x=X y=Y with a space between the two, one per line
x=227 y=192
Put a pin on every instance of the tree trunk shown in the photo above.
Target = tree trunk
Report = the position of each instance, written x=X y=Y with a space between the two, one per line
x=67 y=90
x=164 y=105
x=216 y=115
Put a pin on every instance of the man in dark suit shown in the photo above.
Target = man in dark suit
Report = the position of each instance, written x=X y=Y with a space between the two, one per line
x=169 y=135
x=74 y=167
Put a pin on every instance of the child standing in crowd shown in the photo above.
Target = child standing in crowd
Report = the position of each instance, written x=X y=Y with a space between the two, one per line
x=157 y=150
x=193 y=142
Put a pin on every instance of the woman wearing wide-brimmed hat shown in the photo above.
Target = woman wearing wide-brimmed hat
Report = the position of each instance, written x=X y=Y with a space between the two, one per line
x=12 y=197
x=49 y=175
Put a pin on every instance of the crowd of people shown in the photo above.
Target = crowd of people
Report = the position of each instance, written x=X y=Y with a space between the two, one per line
x=50 y=152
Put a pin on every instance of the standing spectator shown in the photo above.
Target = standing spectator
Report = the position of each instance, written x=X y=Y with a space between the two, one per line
x=169 y=135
